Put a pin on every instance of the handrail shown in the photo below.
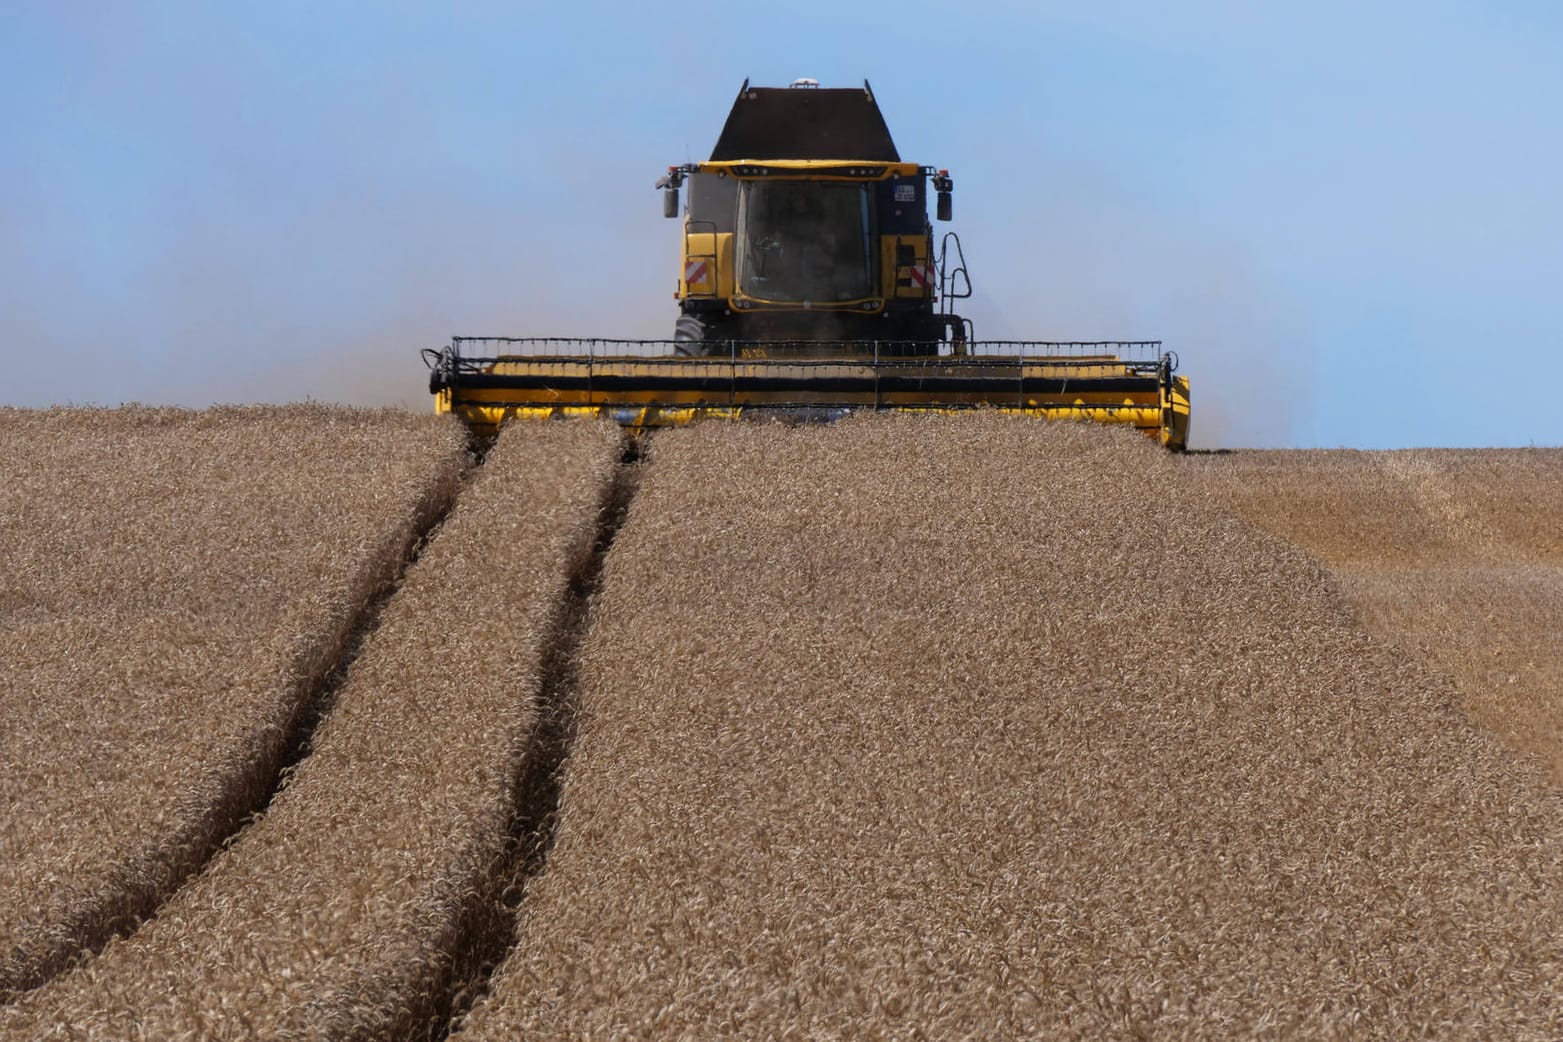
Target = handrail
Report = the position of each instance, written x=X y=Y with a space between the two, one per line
x=527 y=360
x=491 y=348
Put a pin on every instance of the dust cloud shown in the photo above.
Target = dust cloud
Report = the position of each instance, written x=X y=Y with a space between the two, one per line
x=1072 y=261
x=333 y=302
x=223 y=233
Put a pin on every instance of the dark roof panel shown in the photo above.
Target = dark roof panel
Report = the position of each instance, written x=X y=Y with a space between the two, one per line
x=805 y=123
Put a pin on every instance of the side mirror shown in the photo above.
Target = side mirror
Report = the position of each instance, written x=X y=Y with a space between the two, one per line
x=670 y=202
x=942 y=208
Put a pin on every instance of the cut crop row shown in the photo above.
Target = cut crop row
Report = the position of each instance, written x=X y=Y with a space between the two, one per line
x=1456 y=555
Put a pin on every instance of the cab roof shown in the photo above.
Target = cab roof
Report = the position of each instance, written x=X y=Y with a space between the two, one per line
x=805 y=123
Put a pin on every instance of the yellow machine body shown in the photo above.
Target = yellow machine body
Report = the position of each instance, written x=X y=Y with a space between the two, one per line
x=811 y=286
x=905 y=261
x=902 y=276
x=645 y=393
x=905 y=265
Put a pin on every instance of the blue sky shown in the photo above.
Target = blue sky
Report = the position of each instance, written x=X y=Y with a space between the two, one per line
x=1345 y=217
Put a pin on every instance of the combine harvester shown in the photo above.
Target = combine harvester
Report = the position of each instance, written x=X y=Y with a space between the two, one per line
x=810 y=288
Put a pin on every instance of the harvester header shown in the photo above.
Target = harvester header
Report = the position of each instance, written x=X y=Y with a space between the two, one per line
x=811 y=285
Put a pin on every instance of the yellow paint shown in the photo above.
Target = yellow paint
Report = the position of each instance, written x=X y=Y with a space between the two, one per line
x=897 y=279
x=809 y=168
x=1161 y=413
x=715 y=250
x=862 y=305
x=1175 y=414
x=487 y=419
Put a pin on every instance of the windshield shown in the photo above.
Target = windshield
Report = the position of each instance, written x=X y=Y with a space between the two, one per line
x=804 y=241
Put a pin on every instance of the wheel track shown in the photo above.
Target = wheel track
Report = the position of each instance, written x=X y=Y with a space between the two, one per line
x=535 y=827
x=242 y=796
x=409 y=983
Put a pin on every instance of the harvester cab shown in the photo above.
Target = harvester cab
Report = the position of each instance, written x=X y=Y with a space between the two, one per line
x=806 y=233
x=810 y=287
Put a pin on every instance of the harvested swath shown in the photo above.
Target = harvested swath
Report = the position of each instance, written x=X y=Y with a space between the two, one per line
x=342 y=911
x=976 y=728
x=175 y=587
x=1457 y=554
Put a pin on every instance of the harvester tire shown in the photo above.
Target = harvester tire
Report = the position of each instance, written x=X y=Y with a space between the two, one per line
x=689 y=337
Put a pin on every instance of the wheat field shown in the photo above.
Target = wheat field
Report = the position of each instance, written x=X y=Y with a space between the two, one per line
x=975 y=728
x=947 y=727
x=1455 y=555
x=173 y=588
x=345 y=910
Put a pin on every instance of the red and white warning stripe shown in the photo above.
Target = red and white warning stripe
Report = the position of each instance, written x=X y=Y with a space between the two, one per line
x=694 y=272
x=922 y=278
